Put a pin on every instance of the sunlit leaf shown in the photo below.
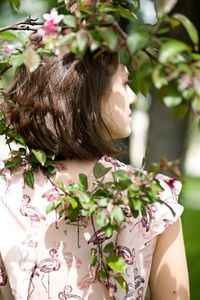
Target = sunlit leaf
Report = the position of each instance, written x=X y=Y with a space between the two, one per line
x=172 y=99
x=17 y=60
x=109 y=36
x=171 y=48
x=82 y=40
x=8 y=36
x=117 y=214
x=70 y=21
x=40 y=156
x=163 y=7
x=137 y=40
x=50 y=207
x=31 y=59
x=116 y=263
x=189 y=26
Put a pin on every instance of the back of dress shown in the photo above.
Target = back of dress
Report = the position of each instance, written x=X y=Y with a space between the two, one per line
x=43 y=257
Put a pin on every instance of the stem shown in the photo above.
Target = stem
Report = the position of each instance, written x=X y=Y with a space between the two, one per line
x=99 y=249
x=120 y=30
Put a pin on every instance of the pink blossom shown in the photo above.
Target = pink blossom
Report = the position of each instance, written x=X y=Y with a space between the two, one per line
x=50 y=25
x=6 y=48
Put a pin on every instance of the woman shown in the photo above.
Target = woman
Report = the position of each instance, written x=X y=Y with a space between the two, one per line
x=74 y=109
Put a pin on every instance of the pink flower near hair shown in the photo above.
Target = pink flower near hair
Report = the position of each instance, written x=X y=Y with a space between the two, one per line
x=50 y=25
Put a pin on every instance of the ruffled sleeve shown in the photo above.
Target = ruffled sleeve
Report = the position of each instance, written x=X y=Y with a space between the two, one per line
x=161 y=214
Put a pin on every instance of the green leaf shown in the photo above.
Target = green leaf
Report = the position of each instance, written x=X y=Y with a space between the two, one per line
x=102 y=221
x=136 y=204
x=70 y=21
x=173 y=99
x=142 y=79
x=122 y=282
x=13 y=163
x=31 y=59
x=15 y=3
x=122 y=176
x=45 y=52
x=51 y=170
x=116 y=263
x=139 y=59
x=99 y=170
x=17 y=137
x=108 y=248
x=103 y=202
x=102 y=274
x=3 y=128
x=181 y=110
x=8 y=36
x=17 y=60
x=73 y=202
x=94 y=261
x=171 y=48
x=40 y=156
x=189 y=26
x=124 y=57
x=50 y=207
x=137 y=40
x=29 y=178
x=84 y=181
x=82 y=40
x=51 y=156
x=117 y=214
x=126 y=14
x=158 y=77
x=163 y=7
x=68 y=37
x=22 y=37
x=109 y=37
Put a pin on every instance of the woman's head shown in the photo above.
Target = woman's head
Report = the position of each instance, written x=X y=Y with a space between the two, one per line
x=60 y=106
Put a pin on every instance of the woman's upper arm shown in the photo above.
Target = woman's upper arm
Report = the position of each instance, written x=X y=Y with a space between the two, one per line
x=169 y=274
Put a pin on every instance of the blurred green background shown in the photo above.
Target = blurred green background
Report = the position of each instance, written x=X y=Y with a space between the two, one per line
x=190 y=198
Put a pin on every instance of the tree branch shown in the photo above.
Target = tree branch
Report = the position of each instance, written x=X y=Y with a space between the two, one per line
x=23 y=25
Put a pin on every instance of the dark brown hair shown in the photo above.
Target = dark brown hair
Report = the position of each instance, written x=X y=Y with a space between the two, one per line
x=58 y=106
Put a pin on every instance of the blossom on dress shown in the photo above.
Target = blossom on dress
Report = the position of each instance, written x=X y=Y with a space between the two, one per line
x=51 y=24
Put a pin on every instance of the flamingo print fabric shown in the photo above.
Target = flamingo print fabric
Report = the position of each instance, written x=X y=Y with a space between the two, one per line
x=43 y=258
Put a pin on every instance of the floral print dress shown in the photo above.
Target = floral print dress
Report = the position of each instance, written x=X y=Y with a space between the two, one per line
x=42 y=257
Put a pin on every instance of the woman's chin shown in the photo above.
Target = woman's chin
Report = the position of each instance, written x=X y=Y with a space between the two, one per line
x=122 y=135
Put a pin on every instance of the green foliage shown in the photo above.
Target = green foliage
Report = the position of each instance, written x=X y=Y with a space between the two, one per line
x=152 y=58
